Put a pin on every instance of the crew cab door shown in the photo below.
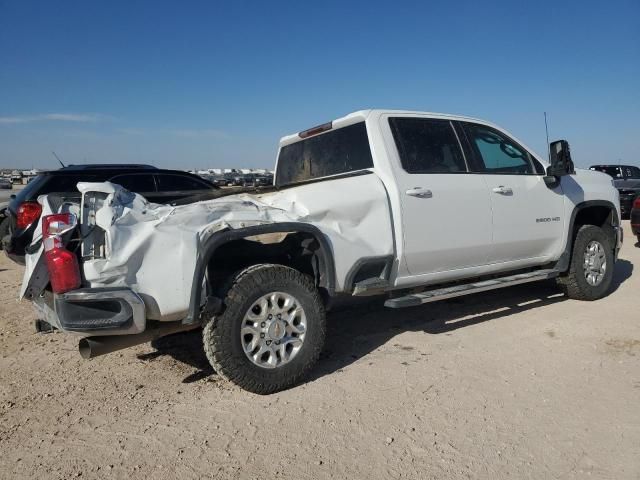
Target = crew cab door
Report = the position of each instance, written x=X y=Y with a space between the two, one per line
x=527 y=215
x=446 y=211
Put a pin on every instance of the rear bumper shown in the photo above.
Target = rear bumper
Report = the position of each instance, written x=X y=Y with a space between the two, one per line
x=15 y=244
x=94 y=311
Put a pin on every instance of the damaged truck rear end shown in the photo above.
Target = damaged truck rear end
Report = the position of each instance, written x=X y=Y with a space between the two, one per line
x=377 y=202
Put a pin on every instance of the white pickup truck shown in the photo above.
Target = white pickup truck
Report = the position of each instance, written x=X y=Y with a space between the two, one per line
x=415 y=206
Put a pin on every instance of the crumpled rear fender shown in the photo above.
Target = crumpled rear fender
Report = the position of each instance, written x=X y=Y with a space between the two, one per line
x=160 y=251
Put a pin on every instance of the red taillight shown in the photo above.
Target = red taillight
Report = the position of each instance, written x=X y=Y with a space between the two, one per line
x=636 y=203
x=64 y=271
x=28 y=212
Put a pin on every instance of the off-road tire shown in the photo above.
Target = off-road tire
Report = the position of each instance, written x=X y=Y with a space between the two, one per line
x=574 y=284
x=221 y=333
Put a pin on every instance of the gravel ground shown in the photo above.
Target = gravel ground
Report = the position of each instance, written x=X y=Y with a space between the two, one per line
x=520 y=383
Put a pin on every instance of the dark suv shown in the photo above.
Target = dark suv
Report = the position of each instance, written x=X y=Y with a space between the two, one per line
x=626 y=178
x=156 y=185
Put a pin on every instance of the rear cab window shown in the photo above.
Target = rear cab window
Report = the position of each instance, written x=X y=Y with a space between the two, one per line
x=340 y=151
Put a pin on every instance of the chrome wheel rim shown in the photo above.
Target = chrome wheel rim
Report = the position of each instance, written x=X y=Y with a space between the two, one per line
x=273 y=330
x=595 y=263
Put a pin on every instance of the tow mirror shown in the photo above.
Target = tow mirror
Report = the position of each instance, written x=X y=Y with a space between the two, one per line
x=560 y=159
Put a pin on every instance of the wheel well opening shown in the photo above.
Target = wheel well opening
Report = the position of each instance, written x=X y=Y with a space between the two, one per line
x=600 y=216
x=298 y=250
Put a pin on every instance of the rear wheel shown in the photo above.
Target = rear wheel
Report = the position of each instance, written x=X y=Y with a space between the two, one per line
x=591 y=269
x=271 y=331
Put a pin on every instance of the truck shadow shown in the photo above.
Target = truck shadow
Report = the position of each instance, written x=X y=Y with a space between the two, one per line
x=358 y=326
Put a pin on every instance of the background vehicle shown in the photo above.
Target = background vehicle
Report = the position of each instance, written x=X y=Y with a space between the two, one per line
x=237 y=180
x=368 y=204
x=223 y=179
x=257 y=180
x=156 y=185
x=626 y=178
x=5 y=183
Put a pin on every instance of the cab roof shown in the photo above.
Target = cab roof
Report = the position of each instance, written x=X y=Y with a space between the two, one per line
x=362 y=115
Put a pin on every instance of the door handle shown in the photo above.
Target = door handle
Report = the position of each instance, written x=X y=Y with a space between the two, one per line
x=419 y=192
x=503 y=190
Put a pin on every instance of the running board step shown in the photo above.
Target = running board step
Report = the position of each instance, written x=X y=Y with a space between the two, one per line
x=370 y=286
x=415 y=299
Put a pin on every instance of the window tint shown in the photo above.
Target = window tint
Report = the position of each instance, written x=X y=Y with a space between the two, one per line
x=609 y=170
x=427 y=145
x=632 y=172
x=140 y=183
x=170 y=183
x=337 y=151
x=496 y=152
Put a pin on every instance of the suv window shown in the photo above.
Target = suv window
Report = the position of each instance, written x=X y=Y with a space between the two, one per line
x=140 y=183
x=496 y=152
x=171 y=183
x=427 y=145
x=337 y=151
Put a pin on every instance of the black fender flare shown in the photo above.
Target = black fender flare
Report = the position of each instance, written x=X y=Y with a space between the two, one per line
x=563 y=262
x=327 y=269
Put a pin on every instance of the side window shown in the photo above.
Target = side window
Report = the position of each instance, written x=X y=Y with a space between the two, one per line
x=496 y=152
x=632 y=172
x=171 y=183
x=427 y=145
x=140 y=183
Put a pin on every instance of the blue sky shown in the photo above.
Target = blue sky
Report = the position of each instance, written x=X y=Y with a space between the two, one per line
x=215 y=84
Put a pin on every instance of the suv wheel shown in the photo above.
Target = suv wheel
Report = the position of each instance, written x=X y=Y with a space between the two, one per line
x=591 y=269
x=271 y=332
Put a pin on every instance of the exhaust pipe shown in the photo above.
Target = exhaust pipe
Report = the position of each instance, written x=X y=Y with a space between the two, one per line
x=91 y=347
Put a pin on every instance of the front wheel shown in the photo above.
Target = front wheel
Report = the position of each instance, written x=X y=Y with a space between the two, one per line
x=271 y=331
x=591 y=269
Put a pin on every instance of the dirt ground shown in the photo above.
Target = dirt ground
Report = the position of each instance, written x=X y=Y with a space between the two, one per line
x=520 y=383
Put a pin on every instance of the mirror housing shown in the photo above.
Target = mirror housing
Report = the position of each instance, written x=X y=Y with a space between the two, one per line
x=560 y=159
